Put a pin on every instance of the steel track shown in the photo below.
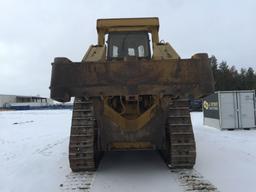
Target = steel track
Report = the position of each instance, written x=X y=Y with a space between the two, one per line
x=181 y=148
x=83 y=150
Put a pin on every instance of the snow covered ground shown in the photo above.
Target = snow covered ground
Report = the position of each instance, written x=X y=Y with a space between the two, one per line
x=34 y=157
x=33 y=150
x=226 y=158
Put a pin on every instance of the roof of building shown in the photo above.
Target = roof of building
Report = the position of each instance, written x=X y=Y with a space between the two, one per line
x=24 y=96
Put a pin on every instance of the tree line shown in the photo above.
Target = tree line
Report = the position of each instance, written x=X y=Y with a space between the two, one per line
x=229 y=78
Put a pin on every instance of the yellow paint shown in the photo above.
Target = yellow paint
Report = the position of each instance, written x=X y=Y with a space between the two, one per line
x=130 y=124
x=95 y=53
x=105 y=26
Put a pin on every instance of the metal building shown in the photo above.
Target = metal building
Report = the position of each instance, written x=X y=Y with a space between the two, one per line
x=230 y=110
x=20 y=102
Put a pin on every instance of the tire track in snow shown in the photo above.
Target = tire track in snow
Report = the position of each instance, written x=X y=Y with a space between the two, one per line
x=8 y=156
x=78 y=182
x=193 y=181
x=46 y=150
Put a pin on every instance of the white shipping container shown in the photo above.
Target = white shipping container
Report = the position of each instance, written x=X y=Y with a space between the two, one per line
x=230 y=109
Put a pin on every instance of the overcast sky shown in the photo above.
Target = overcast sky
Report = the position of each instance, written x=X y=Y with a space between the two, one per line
x=33 y=32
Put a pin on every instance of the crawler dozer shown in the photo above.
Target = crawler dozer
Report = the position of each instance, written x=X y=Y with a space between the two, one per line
x=131 y=93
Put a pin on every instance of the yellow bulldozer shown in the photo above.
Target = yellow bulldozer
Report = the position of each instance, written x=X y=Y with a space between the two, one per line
x=131 y=93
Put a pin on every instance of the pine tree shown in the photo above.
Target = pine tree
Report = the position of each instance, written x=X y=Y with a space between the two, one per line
x=228 y=78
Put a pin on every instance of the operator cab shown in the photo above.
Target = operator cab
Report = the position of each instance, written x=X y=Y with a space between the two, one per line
x=128 y=45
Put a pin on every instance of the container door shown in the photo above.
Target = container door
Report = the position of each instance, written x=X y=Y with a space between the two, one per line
x=228 y=113
x=246 y=109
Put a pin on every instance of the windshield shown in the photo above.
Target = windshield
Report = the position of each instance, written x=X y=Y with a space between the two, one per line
x=128 y=44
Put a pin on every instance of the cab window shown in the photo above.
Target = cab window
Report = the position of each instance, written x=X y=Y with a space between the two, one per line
x=128 y=44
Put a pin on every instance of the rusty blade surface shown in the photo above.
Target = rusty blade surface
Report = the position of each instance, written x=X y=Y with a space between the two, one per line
x=167 y=77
